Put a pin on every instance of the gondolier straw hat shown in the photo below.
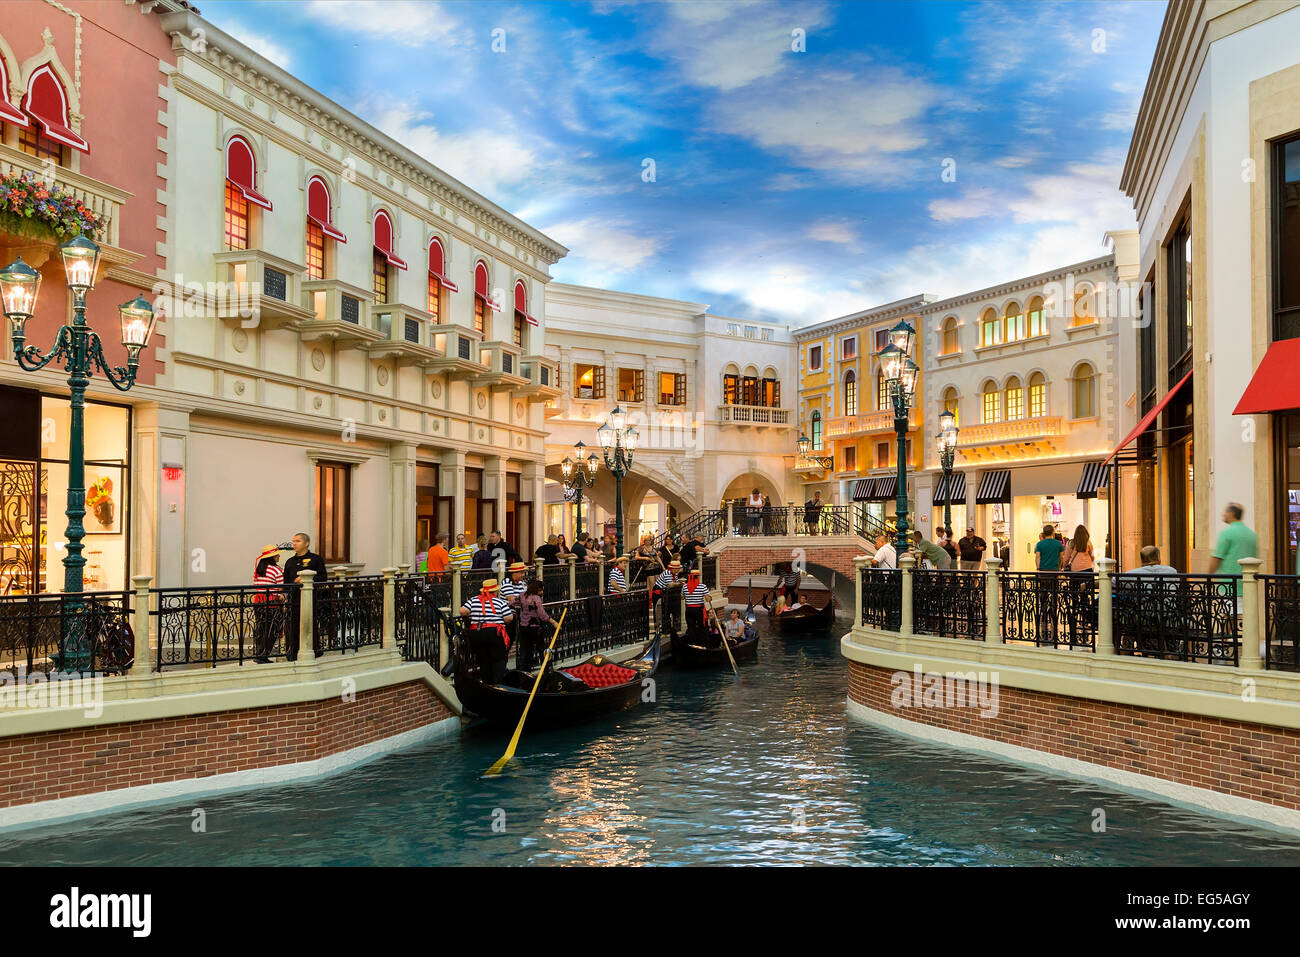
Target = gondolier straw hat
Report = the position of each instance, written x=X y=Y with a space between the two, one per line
x=674 y=564
x=623 y=559
x=269 y=551
x=517 y=567
x=489 y=584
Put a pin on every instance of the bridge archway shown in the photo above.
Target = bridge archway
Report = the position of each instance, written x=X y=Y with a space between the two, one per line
x=832 y=565
x=636 y=484
x=746 y=480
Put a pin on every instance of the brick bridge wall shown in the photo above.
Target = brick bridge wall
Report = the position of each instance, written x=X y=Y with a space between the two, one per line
x=736 y=560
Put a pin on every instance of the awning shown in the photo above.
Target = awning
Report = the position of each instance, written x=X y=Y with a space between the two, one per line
x=8 y=112
x=958 y=497
x=994 y=488
x=521 y=303
x=384 y=239
x=48 y=103
x=241 y=169
x=886 y=488
x=1275 y=386
x=318 y=208
x=862 y=490
x=1095 y=475
x=481 y=286
x=1148 y=418
x=437 y=265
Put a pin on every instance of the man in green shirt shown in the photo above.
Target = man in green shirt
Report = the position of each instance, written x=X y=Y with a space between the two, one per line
x=1047 y=553
x=1236 y=542
x=936 y=555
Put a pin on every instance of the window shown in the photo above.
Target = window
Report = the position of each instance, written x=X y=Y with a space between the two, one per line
x=237 y=218
x=730 y=389
x=481 y=298
x=521 y=324
x=1286 y=241
x=588 y=381
x=1084 y=311
x=991 y=412
x=849 y=348
x=814 y=358
x=35 y=143
x=480 y=314
x=631 y=385
x=1015 y=399
x=384 y=258
x=1085 y=391
x=990 y=328
x=949 y=336
x=950 y=402
x=46 y=106
x=749 y=390
x=1015 y=322
x=672 y=388
x=1037 y=324
x=522 y=318
x=379 y=276
x=882 y=455
x=816 y=429
x=851 y=458
x=437 y=279
x=1147 y=344
x=1179 y=253
x=333 y=511
x=882 y=338
x=1037 y=396
x=850 y=393
x=882 y=392
x=434 y=304
x=771 y=393
x=315 y=251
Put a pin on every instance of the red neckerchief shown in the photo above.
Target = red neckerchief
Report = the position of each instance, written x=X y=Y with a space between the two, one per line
x=482 y=606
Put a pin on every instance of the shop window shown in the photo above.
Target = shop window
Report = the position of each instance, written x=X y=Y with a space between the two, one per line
x=333 y=511
x=588 y=381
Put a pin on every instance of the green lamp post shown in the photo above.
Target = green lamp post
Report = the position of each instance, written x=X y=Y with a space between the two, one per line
x=947 y=453
x=900 y=383
x=618 y=442
x=579 y=475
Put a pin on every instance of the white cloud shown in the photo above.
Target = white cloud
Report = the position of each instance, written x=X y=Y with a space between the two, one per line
x=398 y=21
x=600 y=246
x=260 y=43
x=838 y=231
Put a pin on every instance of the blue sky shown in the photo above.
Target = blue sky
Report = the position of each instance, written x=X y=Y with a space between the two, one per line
x=795 y=186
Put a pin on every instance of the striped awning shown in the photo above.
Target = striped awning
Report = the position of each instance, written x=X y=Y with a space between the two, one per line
x=1095 y=475
x=862 y=490
x=958 y=496
x=886 y=489
x=994 y=487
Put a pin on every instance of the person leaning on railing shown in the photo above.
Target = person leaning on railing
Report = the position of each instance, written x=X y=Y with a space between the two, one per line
x=268 y=577
x=532 y=618
x=303 y=559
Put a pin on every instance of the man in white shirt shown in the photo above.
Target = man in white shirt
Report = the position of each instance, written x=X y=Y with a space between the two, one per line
x=886 y=554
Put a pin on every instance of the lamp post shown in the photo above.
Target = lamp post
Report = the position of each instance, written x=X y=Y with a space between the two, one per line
x=947 y=452
x=804 y=445
x=618 y=443
x=900 y=383
x=579 y=475
x=78 y=349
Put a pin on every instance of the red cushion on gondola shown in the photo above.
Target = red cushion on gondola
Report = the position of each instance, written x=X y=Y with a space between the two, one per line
x=602 y=676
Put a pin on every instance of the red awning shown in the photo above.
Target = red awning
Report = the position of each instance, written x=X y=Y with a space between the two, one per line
x=1275 y=386
x=481 y=285
x=384 y=239
x=1148 y=418
x=48 y=103
x=521 y=302
x=437 y=263
x=318 y=208
x=8 y=112
x=241 y=169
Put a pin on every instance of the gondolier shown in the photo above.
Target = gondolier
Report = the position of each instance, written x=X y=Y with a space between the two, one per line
x=667 y=579
x=512 y=590
x=696 y=594
x=618 y=576
x=488 y=615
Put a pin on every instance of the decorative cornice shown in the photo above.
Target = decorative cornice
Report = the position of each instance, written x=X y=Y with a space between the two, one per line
x=1017 y=285
x=866 y=317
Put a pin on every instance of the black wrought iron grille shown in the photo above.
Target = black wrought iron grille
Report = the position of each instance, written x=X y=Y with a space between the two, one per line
x=546 y=375
x=586 y=579
x=411 y=329
x=416 y=601
x=211 y=626
x=1282 y=622
x=89 y=633
x=275 y=283
x=348 y=613
x=600 y=623
x=555 y=583
x=350 y=309
x=950 y=604
x=471 y=582
x=462 y=347
x=1177 y=617
x=706 y=525
x=709 y=571
x=507 y=363
x=882 y=598
x=1049 y=609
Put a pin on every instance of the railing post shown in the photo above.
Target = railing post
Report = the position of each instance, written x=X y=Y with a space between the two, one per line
x=457 y=586
x=306 y=618
x=993 y=603
x=1105 y=618
x=792 y=516
x=537 y=564
x=1252 y=625
x=859 y=563
x=404 y=568
x=389 y=637
x=731 y=529
x=600 y=574
x=573 y=575
x=143 y=651
x=906 y=564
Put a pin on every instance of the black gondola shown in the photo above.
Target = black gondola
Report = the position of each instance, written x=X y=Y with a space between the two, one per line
x=689 y=653
x=804 y=619
x=563 y=698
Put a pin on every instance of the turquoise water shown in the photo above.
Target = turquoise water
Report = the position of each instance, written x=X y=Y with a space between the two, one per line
x=765 y=770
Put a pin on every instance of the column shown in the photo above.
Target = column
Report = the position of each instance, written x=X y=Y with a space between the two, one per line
x=600 y=574
x=143 y=651
x=389 y=637
x=306 y=620
x=573 y=574
x=494 y=477
x=993 y=606
x=1105 y=621
x=1252 y=623
x=401 y=456
x=157 y=513
x=905 y=564
x=453 y=483
x=860 y=563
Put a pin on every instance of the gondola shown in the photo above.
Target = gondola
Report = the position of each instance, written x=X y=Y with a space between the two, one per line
x=564 y=696
x=802 y=620
x=691 y=654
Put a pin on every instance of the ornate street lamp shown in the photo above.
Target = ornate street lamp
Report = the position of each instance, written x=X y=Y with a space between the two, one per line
x=947 y=452
x=78 y=349
x=804 y=445
x=900 y=383
x=579 y=475
x=618 y=442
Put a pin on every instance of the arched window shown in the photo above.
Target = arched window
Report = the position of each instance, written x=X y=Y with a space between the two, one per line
x=481 y=300
x=320 y=230
x=1015 y=322
x=522 y=317
x=731 y=384
x=990 y=407
x=850 y=393
x=438 y=280
x=1037 y=324
x=1084 y=305
x=1085 y=391
x=241 y=193
x=47 y=111
x=771 y=389
x=816 y=436
x=384 y=258
x=990 y=328
x=1015 y=399
x=950 y=403
x=948 y=334
x=1037 y=396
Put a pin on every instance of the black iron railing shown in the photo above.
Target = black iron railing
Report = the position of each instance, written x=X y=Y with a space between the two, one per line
x=706 y=525
x=1177 y=617
x=211 y=626
x=868 y=526
x=416 y=600
x=882 y=598
x=348 y=613
x=89 y=633
x=555 y=583
x=950 y=604
x=709 y=570
x=1049 y=609
x=1281 y=614
x=472 y=581
x=600 y=624
x=586 y=579
x=837 y=520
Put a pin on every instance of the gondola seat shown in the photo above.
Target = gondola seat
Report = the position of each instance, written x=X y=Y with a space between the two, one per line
x=602 y=674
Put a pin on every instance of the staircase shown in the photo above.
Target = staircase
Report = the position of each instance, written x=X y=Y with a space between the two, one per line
x=709 y=524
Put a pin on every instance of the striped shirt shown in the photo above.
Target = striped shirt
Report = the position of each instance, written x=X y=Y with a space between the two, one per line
x=485 y=611
x=461 y=556
x=273 y=575
x=666 y=579
x=513 y=589
x=695 y=596
x=617 y=580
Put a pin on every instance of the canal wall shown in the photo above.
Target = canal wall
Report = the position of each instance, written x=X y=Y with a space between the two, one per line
x=84 y=746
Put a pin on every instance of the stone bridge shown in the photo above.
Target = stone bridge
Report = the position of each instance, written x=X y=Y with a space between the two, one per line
x=828 y=558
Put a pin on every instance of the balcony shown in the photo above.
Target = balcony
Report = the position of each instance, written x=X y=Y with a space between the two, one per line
x=405 y=331
x=457 y=351
x=339 y=312
x=502 y=363
x=258 y=290
x=866 y=423
x=752 y=415
x=996 y=440
x=540 y=374
x=100 y=198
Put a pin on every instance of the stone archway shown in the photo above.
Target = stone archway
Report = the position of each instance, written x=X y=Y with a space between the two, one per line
x=636 y=484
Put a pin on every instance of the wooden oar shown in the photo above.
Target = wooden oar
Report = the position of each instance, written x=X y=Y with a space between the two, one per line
x=519 y=729
x=723 y=635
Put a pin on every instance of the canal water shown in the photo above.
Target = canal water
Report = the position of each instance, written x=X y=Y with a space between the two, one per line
x=764 y=770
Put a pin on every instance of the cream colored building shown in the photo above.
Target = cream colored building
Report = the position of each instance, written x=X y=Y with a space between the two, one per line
x=705 y=393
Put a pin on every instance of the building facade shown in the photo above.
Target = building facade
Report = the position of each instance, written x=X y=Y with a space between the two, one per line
x=703 y=391
x=1213 y=171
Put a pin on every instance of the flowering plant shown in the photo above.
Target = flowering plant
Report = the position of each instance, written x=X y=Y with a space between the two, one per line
x=32 y=203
